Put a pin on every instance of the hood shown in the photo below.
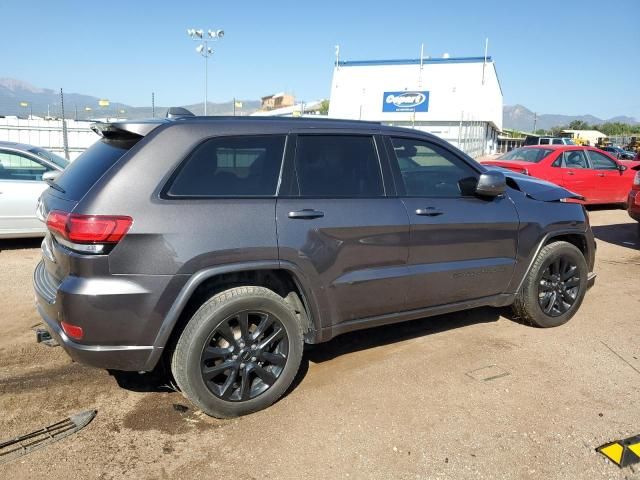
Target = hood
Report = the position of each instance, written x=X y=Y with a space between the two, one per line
x=536 y=188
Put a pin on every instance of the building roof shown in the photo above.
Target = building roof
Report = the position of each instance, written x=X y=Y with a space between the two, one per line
x=584 y=132
x=412 y=61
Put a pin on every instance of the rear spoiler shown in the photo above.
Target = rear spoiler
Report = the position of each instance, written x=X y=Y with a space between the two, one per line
x=126 y=130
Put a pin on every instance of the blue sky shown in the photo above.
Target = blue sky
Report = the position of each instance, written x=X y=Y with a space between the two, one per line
x=553 y=57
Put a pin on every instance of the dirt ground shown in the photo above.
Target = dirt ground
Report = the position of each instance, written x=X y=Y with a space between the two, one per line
x=408 y=401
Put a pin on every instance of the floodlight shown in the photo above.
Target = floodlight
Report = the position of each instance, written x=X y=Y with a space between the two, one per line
x=199 y=48
x=199 y=33
x=220 y=33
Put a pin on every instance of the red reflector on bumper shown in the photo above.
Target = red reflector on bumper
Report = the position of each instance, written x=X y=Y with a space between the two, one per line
x=72 y=331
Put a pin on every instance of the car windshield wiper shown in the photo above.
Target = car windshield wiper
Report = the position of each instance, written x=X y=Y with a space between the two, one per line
x=52 y=183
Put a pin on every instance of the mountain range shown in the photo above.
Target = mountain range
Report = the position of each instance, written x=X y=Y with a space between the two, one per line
x=517 y=117
x=43 y=101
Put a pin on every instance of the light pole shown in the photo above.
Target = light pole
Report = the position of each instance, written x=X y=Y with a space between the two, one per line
x=203 y=49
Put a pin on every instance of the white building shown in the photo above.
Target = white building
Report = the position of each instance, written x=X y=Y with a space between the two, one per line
x=457 y=99
x=581 y=136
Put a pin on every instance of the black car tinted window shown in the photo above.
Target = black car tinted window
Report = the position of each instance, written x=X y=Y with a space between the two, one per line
x=338 y=166
x=84 y=171
x=231 y=167
x=428 y=170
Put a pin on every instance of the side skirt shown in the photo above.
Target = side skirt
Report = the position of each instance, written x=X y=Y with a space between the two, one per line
x=501 y=300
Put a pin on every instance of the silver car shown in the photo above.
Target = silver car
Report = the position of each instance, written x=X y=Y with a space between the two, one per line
x=23 y=171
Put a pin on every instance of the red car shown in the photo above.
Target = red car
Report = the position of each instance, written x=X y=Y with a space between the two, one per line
x=587 y=171
x=633 y=201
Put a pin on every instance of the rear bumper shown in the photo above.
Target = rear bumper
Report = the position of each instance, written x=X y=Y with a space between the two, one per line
x=115 y=357
x=633 y=202
x=119 y=315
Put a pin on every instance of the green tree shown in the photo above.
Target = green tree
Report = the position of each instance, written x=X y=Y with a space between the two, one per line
x=579 y=125
x=324 y=107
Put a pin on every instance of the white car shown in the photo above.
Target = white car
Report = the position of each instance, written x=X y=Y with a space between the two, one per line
x=23 y=171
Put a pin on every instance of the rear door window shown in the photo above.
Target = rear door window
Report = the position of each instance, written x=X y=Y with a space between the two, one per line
x=242 y=166
x=14 y=166
x=338 y=166
x=78 y=178
x=544 y=141
x=575 y=159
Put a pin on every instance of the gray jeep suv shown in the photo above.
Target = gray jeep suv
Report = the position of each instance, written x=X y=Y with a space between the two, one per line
x=223 y=245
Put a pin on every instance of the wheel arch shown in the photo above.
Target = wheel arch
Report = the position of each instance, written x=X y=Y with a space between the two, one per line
x=282 y=277
x=577 y=238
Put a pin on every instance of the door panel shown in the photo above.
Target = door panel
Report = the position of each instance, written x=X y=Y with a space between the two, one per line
x=337 y=225
x=20 y=186
x=466 y=252
x=461 y=247
x=18 y=199
x=577 y=176
x=355 y=255
x=610 y=186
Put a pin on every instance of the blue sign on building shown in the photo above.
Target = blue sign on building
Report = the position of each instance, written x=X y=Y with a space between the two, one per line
x=405 y=101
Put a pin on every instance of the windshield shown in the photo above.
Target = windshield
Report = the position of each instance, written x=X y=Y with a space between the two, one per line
x=51 y=157
x=532 y=155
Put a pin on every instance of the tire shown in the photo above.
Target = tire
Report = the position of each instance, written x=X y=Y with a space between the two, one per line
x=554 y=288
x=223 y=361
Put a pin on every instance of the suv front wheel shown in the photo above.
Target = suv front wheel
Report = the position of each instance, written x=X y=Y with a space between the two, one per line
x=239 y=352
x=554 y=287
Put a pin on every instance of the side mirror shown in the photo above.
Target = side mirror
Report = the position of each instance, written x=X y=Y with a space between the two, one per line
x=491 y=184
x=621 y=167
x=50 y=176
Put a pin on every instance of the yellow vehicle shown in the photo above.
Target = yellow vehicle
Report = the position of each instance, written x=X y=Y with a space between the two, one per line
x=633 y=145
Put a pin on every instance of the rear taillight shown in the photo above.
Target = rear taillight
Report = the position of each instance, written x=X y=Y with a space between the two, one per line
x=88 y=233
x=636 y=179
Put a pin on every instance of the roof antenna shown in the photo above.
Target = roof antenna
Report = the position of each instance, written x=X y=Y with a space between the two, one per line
x=177 y=112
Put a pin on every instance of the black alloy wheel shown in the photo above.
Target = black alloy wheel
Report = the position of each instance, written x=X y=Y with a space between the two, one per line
x=244 y=355
x=558 y=286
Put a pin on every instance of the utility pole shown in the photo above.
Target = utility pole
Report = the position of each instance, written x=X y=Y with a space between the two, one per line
x=535 y=120
x=486 y=50
x=65 y=141
x=153 y=105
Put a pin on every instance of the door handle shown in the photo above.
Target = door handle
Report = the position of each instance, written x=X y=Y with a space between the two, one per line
x=428 y=212
x=570 y=173
x=601 y=174
x=306 y=213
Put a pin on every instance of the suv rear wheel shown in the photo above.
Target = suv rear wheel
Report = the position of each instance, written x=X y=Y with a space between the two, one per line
x=239 y=352
x=554 y=287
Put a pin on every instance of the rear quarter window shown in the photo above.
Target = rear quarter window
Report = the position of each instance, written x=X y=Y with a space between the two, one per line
x=239 y=166
x=78 y=178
